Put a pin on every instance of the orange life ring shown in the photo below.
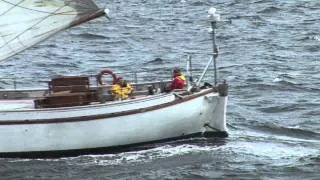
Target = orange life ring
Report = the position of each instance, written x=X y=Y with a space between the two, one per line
x=106 y=72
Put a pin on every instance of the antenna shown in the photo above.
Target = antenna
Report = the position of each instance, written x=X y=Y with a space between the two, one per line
x=214 y=18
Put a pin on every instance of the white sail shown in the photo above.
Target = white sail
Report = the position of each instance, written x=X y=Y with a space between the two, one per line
x=24 y=23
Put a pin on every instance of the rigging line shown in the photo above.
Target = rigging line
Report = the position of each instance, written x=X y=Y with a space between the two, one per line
x=14 y=5
x=52 y=30
x=46 y=12
x=2 y=36
x=47 y=32
x=25 y=46
x=6 y=43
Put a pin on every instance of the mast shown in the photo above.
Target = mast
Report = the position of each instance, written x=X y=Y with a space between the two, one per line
x=214 y=18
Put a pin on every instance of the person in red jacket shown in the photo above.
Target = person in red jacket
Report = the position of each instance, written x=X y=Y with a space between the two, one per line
x=178 y=80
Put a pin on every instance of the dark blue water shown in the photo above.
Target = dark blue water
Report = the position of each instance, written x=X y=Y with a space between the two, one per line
x=269 y=54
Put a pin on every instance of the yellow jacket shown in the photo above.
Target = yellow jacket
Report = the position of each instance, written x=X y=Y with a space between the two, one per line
x=121 y=93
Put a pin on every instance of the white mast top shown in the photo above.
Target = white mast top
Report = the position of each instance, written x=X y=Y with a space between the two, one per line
x=106 y=13
x=213 y=16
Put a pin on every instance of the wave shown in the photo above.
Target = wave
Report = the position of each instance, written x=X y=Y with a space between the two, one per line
x=200 y=3
x=313 y=113
x=156 y=61
x=312 y=48
x=261 y=87
x=270 y=10
x=310 y=163
x=289 y=131
x=311 y=159
x=139 y=156
x=253 y=80
x=100 y=52
x=315 y=37
x=278 y=84
x=282 y=108
x=48 y=46
x=90 y=36
x=309 y=21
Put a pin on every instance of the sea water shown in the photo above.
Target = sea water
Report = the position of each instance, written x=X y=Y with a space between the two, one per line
x=269 y=55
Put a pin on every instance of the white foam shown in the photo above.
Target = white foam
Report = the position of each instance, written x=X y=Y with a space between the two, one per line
x=273 y=150
x=317 y=37
x=139 y=156
x=272 y=147
x=277 y=80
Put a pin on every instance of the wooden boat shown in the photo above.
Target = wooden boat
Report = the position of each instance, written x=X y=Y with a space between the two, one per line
x=73 y=117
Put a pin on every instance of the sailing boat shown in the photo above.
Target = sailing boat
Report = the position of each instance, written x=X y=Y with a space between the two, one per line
x=73 y=117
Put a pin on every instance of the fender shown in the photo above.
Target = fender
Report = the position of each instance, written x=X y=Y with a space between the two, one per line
x=106 y=72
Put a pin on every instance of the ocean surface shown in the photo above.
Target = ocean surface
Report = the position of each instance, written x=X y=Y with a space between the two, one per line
x=269 y=55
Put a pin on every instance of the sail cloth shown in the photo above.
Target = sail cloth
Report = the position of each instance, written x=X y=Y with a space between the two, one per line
x=24 y=23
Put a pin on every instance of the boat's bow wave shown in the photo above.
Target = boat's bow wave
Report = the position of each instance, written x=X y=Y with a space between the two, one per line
x=143 y=155
x=148 y=155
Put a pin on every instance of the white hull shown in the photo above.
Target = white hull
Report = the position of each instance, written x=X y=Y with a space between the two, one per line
x=123 y=123
x=71 y=115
